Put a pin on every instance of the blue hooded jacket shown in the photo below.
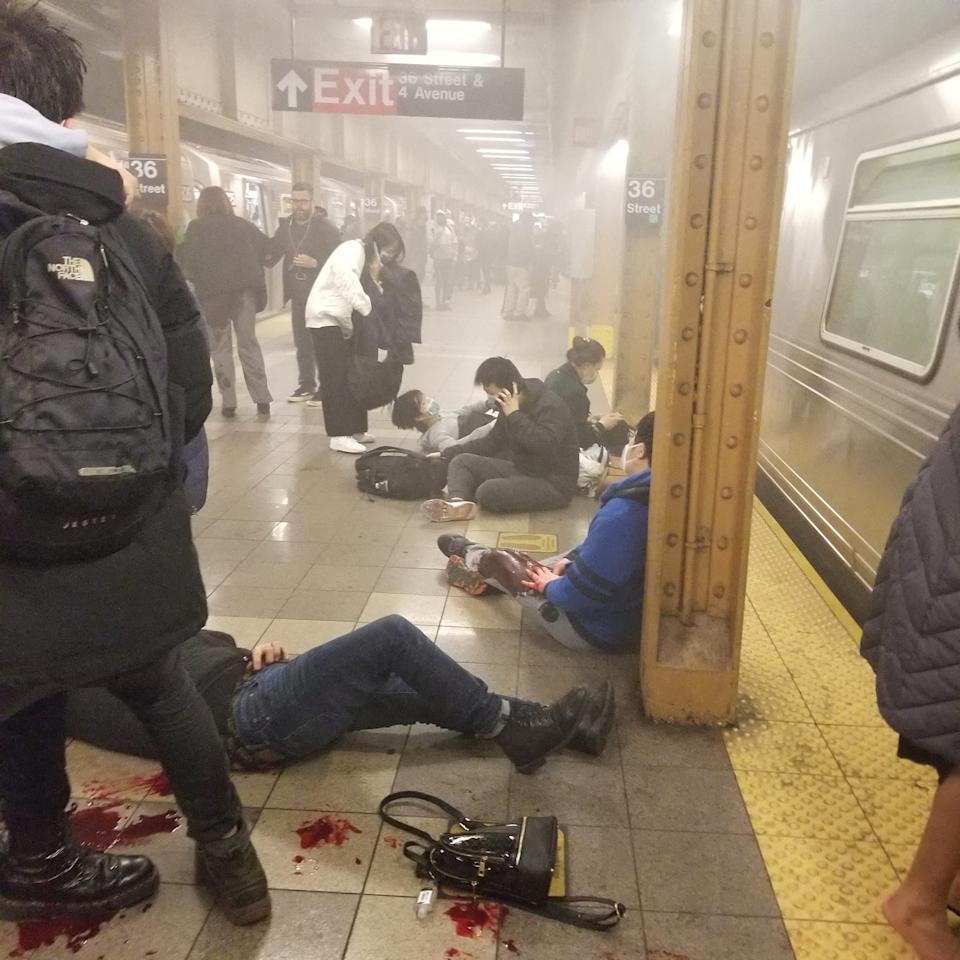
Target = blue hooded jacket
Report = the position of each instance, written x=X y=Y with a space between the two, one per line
x=602 y=589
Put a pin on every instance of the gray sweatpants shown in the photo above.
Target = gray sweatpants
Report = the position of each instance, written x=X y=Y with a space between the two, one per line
x=224 y=314
x=534 y=605
x=499 y=487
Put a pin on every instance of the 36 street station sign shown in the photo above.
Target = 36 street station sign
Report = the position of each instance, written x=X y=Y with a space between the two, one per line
x=398 y=89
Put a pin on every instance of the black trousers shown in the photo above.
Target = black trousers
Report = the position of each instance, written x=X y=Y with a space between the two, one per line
x=342 y=415
x=33 y=771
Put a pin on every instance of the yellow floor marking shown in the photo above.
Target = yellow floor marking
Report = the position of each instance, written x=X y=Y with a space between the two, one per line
x=529 y=542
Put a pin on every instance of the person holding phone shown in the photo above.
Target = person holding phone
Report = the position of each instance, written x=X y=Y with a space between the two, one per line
x=529 y=461
x=339 y=292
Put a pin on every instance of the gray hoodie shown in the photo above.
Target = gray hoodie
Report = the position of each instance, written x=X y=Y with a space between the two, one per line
x=20 y=123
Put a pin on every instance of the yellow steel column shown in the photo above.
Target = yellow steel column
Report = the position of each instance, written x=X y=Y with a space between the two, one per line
x=725 y=199
x=150 y=86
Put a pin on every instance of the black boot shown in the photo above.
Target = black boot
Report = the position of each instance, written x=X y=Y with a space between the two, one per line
x=596 y=721
x=46 y=873
x=231 y=868
x=533 y=731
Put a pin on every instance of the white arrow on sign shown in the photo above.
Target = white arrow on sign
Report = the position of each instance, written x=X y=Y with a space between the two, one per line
x=292 y=85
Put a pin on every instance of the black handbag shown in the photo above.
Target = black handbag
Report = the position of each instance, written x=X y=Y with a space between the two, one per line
x=509 y=862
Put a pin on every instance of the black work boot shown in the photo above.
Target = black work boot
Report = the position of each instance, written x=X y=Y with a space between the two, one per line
x=596 y=721
x=231 y=868
x=533 y=731
x=46 y=873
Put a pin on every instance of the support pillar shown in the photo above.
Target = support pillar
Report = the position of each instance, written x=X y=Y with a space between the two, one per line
x=372 y=201
x=150 y=87
x=725 y=200
x=304 y=168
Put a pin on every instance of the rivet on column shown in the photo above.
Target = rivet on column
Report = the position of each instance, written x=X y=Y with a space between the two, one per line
x=684 y=389
x=719 y=591
x=678 y=439
x=672 y=539
x=750 y=223
x=756 y=162
x=697 y=221
x=687 y=333
x=700 y=161
x=740 y=336
x=732 y=443
x=726 y=493
x=763 y=104
x=669 y=589
x=722 y=543
x=766 y=39
x=709 y=38
x=704 y=101
x=736 y=390
x=692 y=279
x=676 y=491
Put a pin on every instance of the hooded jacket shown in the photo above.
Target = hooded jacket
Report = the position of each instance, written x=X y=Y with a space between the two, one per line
x=602 y=590
x=540 y=439
x=70 y=624
x=911 y=636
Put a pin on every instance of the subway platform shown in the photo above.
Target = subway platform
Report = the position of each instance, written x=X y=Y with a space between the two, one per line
x=771 y=840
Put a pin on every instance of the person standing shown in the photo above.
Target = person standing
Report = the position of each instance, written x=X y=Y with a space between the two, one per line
x=304 y=241
x=337 y=294
x=223 y=255
x=911 y=638
x=67 y=624
x=416 y=241
x=486 y=250
x=443 y=249
x=519 y=263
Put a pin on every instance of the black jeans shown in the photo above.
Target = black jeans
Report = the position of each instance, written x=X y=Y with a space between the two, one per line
x=306 y=357
x=33 y=773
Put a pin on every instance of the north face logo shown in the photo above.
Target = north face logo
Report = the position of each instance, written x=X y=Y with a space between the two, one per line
x=73 y=268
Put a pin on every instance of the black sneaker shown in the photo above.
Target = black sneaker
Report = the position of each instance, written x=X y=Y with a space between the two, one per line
x=300 y=395
x=66 y=879
x=533 y=731
x=451 y=544
x=229 y=412
x=231 y=868
x=263 y=409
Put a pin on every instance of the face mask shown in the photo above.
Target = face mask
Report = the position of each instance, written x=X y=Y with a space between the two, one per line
x=631 y=455
x=433 y=408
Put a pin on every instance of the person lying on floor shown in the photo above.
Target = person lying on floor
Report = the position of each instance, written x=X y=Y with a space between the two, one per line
x=591 y=598
x=414 y=410
x=272 y=710
x=530 y=460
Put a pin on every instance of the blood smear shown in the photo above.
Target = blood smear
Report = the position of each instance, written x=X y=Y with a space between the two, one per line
x=326 y=829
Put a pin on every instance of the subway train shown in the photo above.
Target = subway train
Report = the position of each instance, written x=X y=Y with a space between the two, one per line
x=864 y=362
x=258 y=189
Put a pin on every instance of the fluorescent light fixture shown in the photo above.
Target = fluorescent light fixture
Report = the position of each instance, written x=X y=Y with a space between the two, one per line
x=491 y=152
x=675 y=27
x=457 y=30
x=512 y=133
x=615 y=159
x=364 y=22
x=498 y=139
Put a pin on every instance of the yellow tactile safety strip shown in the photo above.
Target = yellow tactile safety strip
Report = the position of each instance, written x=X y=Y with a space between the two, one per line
x=836 y=814
x=529 y=542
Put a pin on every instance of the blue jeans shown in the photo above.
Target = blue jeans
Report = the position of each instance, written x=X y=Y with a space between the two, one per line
x=385 y=673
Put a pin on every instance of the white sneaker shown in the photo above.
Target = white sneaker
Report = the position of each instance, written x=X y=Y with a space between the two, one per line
x=363 y=438
x=346 y=445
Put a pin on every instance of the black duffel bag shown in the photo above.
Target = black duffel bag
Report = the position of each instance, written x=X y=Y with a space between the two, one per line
x=508 y=862
x=399 y=474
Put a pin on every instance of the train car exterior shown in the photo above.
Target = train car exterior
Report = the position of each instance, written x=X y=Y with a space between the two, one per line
x=864 y=360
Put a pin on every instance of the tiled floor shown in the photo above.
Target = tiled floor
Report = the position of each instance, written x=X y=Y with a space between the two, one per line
x=686 y=826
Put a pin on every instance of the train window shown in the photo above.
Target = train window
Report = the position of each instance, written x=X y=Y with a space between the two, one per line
x=896 y=269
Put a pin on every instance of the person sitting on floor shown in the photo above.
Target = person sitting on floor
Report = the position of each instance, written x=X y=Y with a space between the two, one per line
x=271 y=710
x=414 y=410
x=529 y=461
x=570 y=381
x=591 y=598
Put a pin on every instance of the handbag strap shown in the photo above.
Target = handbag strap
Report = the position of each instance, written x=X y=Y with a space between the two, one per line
x=447 y=808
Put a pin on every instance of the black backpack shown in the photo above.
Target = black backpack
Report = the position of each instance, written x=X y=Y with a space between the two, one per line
x=400 y=474
x=86 y=450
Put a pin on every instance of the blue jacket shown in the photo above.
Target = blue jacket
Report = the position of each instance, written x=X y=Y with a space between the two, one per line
x=602 y=589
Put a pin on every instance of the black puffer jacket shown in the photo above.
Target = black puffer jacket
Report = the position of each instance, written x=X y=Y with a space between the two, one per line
x=912 y=634
x=540 y=439
x=69 y=624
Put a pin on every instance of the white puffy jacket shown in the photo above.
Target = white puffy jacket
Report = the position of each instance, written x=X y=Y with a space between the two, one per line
x=337 y=291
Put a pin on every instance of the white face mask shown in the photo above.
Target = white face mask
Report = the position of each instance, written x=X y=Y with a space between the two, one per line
x=632 y=456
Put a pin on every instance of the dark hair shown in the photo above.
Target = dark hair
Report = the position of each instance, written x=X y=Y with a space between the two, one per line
x=301 y=186
x=406 y=409
x=161 y=226
x=644 y=434
x=40 y=64
x=498 y=372
x=384 y=235
x=585 y=350
x=213 y=201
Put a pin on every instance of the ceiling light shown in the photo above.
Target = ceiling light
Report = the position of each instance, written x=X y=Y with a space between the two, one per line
x=498 y=139
x=675 y=27
x=502 y=153
x=365 y=22
x=455 y=30
x=512 y=133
